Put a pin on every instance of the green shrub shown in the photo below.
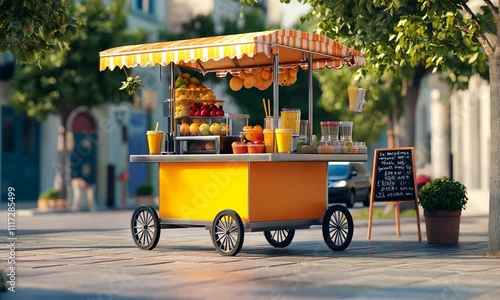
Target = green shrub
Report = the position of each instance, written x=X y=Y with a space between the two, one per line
x=443 y=194
x=51 y=194
x=144 y=190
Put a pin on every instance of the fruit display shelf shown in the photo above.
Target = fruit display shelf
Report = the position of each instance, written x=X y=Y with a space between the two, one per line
x=199 y=108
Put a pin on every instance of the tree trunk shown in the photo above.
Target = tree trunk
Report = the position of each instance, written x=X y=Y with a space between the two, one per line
x=63 y=170
x=494 y=219
x=407 y=133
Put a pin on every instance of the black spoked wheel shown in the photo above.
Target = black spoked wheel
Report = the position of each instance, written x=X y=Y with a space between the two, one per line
x=227 y=233
x=338 y=227
x=145 y=227
x=279 y=238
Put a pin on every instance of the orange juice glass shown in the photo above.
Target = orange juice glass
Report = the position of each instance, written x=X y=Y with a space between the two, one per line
x=290 y=119
x=284 y=140
x=269 y=140
x=155 y=139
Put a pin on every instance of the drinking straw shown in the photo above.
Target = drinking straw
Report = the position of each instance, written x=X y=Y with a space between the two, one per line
x=269 y=106
x=265 y=107
x=156 y=129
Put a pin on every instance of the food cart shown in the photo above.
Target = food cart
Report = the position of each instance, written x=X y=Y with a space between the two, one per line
x=230 y=194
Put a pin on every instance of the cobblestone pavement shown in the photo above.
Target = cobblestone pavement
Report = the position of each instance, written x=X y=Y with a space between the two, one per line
x=93 y=256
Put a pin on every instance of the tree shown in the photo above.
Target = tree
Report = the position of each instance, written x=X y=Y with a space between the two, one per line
x=33 y=29
x=427 y=35
x=70 y=79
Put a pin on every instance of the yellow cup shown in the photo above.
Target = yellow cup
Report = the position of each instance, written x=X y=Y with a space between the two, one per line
x=269 y=140
x=284 y=140
x=155 y=139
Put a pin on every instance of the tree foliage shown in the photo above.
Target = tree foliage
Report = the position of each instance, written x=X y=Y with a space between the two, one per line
x=71 y=79
x=33 y=29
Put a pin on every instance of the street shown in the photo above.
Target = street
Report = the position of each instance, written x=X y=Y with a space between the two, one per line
x=92 y=256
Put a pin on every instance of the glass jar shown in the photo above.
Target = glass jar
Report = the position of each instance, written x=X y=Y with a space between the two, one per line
x=355 y=148
x=346 y=130
x=362 y=149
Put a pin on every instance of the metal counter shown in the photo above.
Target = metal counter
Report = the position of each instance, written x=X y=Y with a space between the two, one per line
x=264 y=157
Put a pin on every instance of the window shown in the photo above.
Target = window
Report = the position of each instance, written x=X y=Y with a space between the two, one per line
x=29 y=136
x=8 y=134
x=338 y=170
x=144 y=6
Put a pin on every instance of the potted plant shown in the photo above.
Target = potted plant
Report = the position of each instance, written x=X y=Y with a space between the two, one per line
x=443 y=200
x=144 y=194
x=48 y=200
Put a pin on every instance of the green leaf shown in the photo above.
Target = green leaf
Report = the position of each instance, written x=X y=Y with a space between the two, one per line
x=473 y=58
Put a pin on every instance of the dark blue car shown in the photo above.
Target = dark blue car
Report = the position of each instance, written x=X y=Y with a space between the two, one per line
x=348 y=183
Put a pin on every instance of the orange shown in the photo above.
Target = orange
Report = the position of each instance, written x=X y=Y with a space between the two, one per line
x=292 y=73
x=184 y=129
x=249 y=80
x=236 y=83
x=257 y=128
x=291 y=80
x=248 y=127
x=266 y=74
x=194 y=128
x=282 y=78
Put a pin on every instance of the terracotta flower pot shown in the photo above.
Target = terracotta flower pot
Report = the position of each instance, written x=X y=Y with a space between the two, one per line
x=43 y=204
x=442 y=226
x=144 y=200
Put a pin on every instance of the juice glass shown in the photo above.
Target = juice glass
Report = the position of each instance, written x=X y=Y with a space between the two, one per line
x=284 y=140
x=290 y=119
x=155 y=138
x=269 y=140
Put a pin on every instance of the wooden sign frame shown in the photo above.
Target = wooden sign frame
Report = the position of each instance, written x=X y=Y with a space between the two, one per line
x=395 y=201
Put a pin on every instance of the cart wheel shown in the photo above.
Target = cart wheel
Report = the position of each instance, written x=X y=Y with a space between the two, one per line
x=279 y=238
x=338 y=227
x=227 y=233
x=145 y=227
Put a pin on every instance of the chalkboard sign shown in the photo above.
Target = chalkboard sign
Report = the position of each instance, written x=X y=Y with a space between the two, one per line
x=393 y=176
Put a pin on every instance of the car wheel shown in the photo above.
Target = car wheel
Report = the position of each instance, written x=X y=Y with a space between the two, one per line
x=350 y=202
x=366 y=202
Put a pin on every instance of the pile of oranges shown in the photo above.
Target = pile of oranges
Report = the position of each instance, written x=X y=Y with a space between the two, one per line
x=262 y=79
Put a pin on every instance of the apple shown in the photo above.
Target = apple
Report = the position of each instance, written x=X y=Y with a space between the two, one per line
x=212 y=106
x=219 y=113
x=197 y=113
x=213 y=113
x=192 y=112
x=205 y=112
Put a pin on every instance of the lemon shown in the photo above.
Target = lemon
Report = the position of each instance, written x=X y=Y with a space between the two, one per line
x=215 y=129
x=204 y=129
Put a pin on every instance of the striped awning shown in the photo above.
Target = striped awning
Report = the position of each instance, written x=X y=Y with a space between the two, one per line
x=247 y=50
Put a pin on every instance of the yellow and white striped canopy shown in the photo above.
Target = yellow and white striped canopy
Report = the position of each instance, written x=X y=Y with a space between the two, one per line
x=247 y=50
